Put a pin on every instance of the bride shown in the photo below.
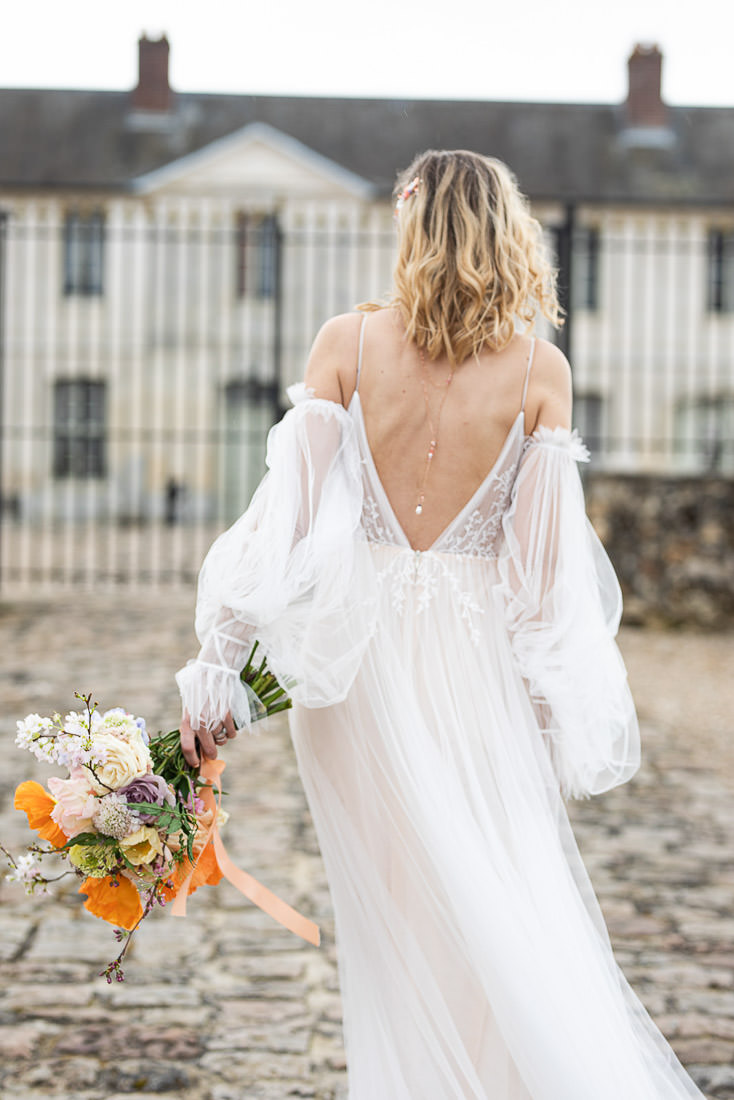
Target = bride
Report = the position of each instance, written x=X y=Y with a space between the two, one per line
x=418 y=567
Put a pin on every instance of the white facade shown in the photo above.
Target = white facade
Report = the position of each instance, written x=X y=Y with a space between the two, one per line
x=656 y=351
x=186 y=331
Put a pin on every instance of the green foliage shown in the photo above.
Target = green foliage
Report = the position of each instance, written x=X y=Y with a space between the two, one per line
x=268 y=690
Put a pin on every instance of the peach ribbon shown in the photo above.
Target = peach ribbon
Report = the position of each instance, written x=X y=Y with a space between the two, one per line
x=254 y=891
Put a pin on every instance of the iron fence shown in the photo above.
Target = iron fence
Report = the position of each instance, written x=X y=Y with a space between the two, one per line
x=145 y=354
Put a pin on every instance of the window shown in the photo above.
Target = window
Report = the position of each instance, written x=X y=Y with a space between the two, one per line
x=240 y=272
x=79 y=429
x=83 y=253
x=267 y=250
x=553 y=241
x=587 y=417
x=250 y=409
x=585 y=268
x=256 y=256
x=584 y=261
x=705 y=433
x=720 y=295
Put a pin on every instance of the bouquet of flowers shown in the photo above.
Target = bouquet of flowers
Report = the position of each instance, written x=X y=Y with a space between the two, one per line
x=132 y=818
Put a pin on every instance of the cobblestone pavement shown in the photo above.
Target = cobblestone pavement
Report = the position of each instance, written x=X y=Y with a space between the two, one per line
x=224 y=1005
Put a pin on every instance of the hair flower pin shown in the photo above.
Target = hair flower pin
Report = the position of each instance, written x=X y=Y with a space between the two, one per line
x=405 y=194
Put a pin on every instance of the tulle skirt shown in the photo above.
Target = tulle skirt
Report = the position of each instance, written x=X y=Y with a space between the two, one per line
x=474 y=960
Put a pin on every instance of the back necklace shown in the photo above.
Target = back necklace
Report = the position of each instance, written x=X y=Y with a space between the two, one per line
x=434 y=430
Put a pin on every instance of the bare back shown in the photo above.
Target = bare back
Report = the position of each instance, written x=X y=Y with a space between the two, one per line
x=478 y=411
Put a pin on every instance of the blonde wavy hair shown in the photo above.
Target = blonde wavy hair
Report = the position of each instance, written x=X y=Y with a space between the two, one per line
x=471 y=258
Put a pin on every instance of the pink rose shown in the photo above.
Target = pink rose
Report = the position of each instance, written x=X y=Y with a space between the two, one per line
x=75 y=802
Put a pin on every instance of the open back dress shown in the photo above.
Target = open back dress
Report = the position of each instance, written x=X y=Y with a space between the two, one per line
x=446 y=702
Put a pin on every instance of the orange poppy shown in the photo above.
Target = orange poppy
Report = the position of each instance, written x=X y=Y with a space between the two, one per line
x=119 y=905
x=37 y=803
x=206 y=873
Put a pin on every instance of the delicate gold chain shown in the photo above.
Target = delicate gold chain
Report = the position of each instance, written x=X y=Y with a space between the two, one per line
x=434 y=431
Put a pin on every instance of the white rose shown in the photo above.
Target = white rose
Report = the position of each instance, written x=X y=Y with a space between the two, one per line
x=203 y=825
x=124 y=761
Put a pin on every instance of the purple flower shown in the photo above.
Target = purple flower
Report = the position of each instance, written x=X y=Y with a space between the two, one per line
x=194 y=805
x=151 y=789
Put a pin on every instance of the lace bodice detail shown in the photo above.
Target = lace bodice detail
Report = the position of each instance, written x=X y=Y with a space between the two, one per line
x=475 y=531
x=372 y=522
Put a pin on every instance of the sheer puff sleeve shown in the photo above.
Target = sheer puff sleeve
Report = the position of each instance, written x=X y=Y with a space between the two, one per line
x=562 y=604
x=291 y=573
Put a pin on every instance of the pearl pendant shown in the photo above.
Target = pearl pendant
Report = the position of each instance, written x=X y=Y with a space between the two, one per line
x=419 y=509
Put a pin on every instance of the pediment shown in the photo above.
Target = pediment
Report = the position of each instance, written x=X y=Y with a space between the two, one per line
x=260 y=161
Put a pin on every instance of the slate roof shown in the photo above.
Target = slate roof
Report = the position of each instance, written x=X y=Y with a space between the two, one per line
x=560 y=151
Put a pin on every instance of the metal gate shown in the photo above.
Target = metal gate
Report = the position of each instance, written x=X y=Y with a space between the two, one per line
x=144 y=357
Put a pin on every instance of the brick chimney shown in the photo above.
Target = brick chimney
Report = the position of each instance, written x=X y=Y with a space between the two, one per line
x=153 y=92
x=645 y=105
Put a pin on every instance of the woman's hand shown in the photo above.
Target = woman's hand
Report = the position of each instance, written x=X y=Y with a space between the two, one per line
x=207 y=739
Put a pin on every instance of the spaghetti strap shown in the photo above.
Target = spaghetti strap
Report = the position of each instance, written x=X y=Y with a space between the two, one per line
x=359 y=356
x=527 y=373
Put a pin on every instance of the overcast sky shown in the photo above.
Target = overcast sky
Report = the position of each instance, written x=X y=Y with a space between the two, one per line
x=572 y=50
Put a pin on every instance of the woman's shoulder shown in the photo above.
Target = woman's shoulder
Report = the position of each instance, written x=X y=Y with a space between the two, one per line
x=549 y=398
x=339 y=331
x=550 y=365
x=332 y=363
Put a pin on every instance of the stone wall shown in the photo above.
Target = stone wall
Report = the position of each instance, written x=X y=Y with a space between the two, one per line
x=672 y=543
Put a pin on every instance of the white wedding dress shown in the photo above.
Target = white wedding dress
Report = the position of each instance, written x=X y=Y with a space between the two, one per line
x=445 y=702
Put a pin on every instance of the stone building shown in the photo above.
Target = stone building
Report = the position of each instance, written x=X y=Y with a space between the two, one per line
x=167 y=257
